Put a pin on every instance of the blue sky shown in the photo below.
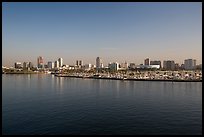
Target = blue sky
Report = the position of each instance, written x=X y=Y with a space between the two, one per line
x=114 y=31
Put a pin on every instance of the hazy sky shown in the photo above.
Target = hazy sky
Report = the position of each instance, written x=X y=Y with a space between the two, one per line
x=113 y=31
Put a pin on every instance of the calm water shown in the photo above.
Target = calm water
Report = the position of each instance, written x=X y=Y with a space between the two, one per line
x=44 y=104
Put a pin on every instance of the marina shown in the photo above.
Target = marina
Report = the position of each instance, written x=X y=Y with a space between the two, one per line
x=167 y=78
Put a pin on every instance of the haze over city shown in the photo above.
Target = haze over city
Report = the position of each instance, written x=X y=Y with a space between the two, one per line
x=113 y=31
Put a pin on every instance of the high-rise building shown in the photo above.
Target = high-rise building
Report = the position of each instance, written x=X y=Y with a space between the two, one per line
x=80 y=63
x=146 y=61
x=17 y=65
x=50 y=65
x=156 y=62
x=30 y=65
x=114 y=66
x=99 y=63
x=189 y=64
x=25 y=65
x=169 y=65
x=77 y=63
x=40 y=62
x=60 y=62
x=57 y=64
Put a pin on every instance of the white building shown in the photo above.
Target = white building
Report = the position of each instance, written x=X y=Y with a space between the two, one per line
x=189 y=64
x=60 y=62
x=149 y=66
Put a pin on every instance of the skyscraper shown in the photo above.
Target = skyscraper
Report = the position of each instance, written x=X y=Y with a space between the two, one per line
x=99 y=63
x=57 y=64
x=77 y=63
x=40 y=62
x=146 y=61
x=18 y=65
x=50 y=65
x=60 y=62
x=169 y=65
x=25 y=65
x=80 y=63
x=30 y=65
x=189 y=64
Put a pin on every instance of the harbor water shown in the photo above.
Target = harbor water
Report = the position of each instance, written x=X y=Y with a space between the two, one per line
x=45 y=104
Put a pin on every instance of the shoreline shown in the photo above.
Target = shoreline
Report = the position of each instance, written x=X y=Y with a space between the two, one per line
x=112 y=78
x=132 y=79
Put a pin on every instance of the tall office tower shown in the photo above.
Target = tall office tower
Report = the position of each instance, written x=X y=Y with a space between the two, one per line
x=99 y=63
x=77 y=63
x=80 y=63
x=146 y=61
x=60 y=62
x=189 y=64
x=30 y=65
x=25 y=65
x=57 y=64
x=50 y=65
x=169 y=65
x=40 y=62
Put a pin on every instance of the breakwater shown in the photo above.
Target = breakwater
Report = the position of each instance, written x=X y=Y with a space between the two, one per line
x=130 y=79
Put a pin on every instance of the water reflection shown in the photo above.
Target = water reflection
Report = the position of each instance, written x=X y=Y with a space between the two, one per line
x=59 y=84
x=97 y=86
x=39 y=81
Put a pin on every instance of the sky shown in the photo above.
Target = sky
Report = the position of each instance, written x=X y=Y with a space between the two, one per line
x=116 y=32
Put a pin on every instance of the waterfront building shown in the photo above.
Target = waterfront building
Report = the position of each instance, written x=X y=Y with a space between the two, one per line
x=189 y=64
x=132 y=66
x=30 y=65
x=148 y=66
x=124 y=65
x=77 y=63
x=99 y=63
x=146 y=61
x=50 y=65
x=57 y=64
x=177 y=66
x=169 y=65
x=113 y=66
x=45 y=66
x=60 y=62
x=17 y=65
x=80 y=63
x=182 y=67
x=25 y=65
x=199 y=66
x=102 y=66
x=156 y=62
x=87 y=66
x=40 y=62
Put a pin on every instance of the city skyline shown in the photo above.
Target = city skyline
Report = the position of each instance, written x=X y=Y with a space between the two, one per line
x=116 y=32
